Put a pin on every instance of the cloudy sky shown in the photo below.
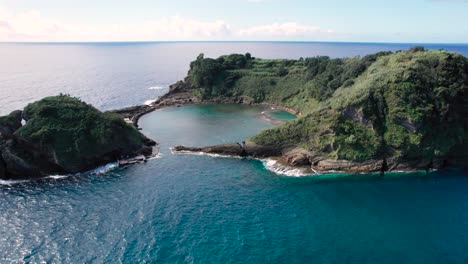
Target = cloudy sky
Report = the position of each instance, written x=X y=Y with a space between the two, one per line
x=415 y=21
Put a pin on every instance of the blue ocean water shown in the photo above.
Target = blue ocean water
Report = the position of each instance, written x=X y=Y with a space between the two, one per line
x=201 y=209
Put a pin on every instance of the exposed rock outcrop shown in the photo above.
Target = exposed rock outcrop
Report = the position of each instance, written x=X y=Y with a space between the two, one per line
x=348 y=166
x=224 y=149
x=300 y=157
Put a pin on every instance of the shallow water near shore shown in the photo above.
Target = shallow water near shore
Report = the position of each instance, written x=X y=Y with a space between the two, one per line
x=200 y=209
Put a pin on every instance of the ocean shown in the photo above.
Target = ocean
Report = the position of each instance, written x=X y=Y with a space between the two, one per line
x=186 y=208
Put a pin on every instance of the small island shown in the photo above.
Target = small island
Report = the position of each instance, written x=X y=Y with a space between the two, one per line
x=63 y=135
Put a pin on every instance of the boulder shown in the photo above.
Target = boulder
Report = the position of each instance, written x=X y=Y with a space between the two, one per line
x=298 y=157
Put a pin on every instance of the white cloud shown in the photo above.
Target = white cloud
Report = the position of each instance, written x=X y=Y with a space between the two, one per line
x=277 y=29
x=32 y=26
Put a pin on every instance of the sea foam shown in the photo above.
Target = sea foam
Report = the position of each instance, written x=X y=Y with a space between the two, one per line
x=11 y=182
x=158 y=87
x=280 y=169
x=269 y=164
x=149 y=102
x=183 y=152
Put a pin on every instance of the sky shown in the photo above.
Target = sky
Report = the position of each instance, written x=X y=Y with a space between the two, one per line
x=403 y=21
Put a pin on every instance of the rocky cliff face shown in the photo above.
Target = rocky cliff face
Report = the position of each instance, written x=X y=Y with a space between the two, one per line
x=300 y=157
x=64 y=135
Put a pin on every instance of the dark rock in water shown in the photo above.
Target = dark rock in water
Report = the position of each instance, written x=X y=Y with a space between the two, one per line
x=63 y=135
x=224 y=149
x=131 y=161
x=235 y=149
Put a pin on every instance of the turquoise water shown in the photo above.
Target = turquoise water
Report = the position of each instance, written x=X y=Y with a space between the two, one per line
x=200 y=209
x=282 y=115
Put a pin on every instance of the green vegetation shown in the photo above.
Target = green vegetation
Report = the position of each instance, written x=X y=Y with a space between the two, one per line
x=76 y=133
x=406 y=105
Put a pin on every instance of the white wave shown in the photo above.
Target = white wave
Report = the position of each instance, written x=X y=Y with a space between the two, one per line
x=99 y=170
x=11 y=182
x=157 y=156
x=57 y=177
x=149 y=102
x=278 y=168
x=105 y=168
x=184 y=152
x=158 y=87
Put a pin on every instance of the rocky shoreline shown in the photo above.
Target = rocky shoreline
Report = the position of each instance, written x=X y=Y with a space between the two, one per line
x=296 y=157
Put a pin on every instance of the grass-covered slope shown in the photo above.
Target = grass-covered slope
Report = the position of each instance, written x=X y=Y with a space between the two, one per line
x=77 y=133
x=408 y=105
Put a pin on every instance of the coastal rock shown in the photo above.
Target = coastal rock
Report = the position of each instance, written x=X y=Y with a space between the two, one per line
x=348 y=166
x=298 y=157
x=236 y=149
x=131 y=111
x=178 y=87
x=412 y=165
x=261 y=151
x=24 y=159
x=10 y=123
x=224 y=149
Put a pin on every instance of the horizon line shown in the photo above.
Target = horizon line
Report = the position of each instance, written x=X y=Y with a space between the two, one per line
x=230 y=41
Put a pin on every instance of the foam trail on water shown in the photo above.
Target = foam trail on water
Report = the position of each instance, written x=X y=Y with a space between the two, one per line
x=57 y=177
x=205 y=154
x=99 y=170
x=278 y=168
x=157 y=156
x=104 y=169
x=158 y=87
x=149 y=102
x=11 y=182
